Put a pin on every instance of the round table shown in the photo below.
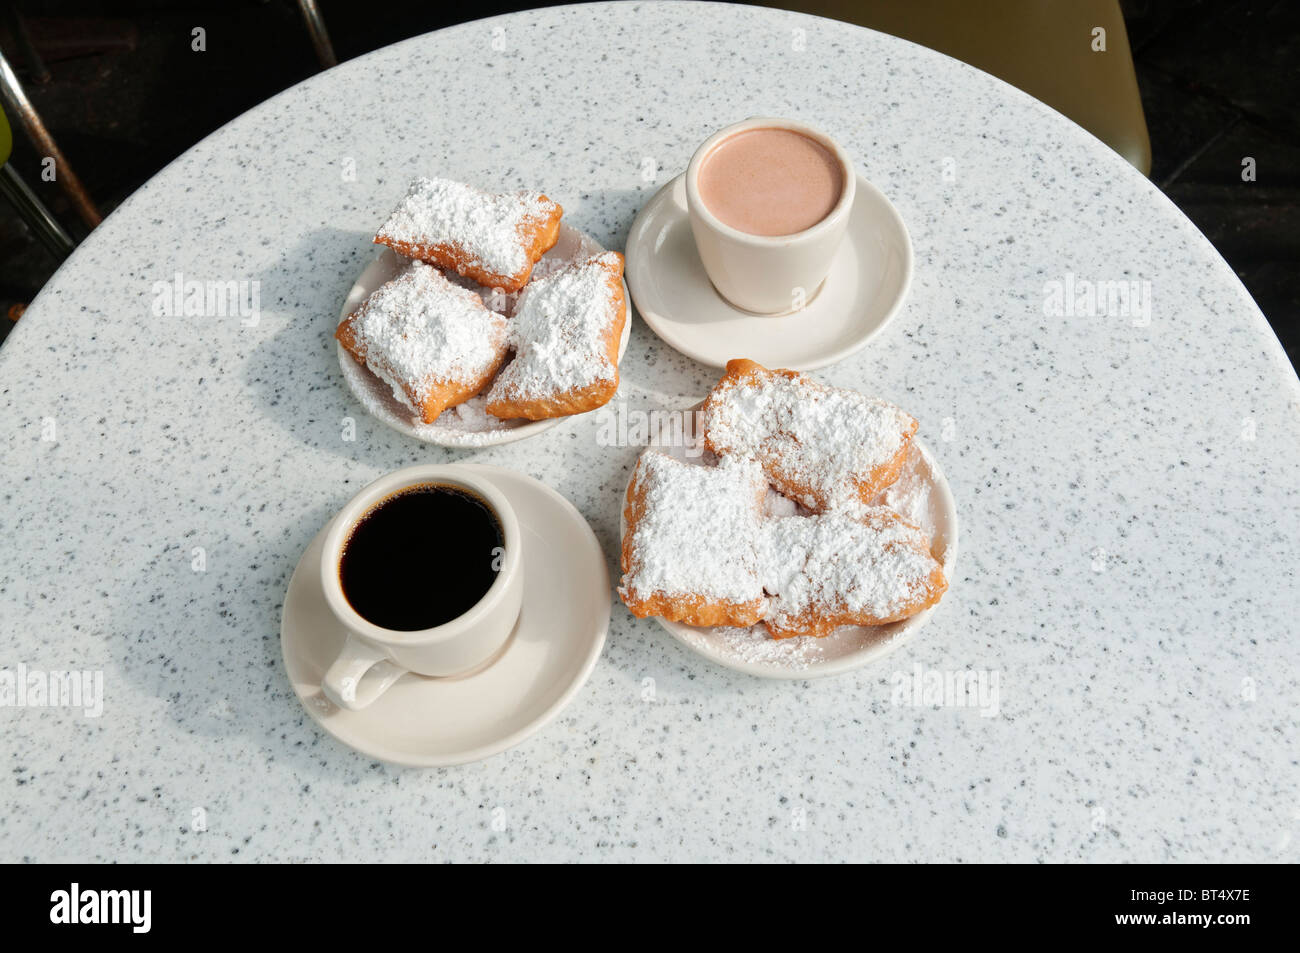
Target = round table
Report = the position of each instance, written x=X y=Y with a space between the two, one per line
x=1126 y=477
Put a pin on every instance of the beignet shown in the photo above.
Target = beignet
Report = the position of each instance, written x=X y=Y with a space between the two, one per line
x=566 y=331
x=494 y=238
x=688 y=547
x=818 y=444
x=434 y=343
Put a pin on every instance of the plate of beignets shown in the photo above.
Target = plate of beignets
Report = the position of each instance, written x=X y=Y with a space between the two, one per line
x=788 y=529
x=434 y=353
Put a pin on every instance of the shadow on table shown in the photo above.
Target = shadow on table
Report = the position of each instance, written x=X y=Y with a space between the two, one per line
x=291 y=382
x=293 y=373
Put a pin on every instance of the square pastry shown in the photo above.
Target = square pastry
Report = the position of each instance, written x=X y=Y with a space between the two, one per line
x=689 y=550
x=820 y=445
x=833 y=569
x=433 y=342
x=493 y=238
x=566 y=332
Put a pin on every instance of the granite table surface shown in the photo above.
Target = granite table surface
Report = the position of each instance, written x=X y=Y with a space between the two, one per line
x=1126 y=479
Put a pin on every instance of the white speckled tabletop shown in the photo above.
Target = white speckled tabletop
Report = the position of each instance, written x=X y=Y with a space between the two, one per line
x=1126 y=482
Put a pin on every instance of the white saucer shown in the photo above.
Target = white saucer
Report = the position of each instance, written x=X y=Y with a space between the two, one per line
x=468 y=425
x=435 y=722
x=867 y=284
x=922 y=495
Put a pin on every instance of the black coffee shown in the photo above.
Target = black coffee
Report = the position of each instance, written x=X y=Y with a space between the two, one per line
x=422 y=557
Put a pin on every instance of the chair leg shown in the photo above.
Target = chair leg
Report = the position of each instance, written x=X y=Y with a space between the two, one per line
x=22 y=107
x=34 y=213
x=319 y=37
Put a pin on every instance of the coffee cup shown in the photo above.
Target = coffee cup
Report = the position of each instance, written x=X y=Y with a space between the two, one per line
x=748 y=261
x=373 y=655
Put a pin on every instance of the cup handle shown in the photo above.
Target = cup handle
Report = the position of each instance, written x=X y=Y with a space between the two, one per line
x=359 y=675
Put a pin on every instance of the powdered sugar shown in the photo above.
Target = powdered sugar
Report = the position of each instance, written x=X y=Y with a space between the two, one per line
x=696 y=537
x=471 y=417
x=703 y=534
x=806 y=433
x=910 y=496
x=559 y=330
x=874 y=565
x=920 y=495
x=571 y=246
x=487 y=227
x=464 y=425
x=754 y=646
x=419 y=330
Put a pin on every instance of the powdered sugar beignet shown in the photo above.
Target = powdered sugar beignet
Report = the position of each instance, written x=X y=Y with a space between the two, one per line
x=834 y=569
x=493 y=238
x=566 y=331
x=819 y=445
x=434 y=343
x=688 y=552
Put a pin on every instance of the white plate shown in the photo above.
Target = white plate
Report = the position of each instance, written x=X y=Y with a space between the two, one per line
x=435 y=722
x=468 y=425
x=867 y=284
x=921 y=494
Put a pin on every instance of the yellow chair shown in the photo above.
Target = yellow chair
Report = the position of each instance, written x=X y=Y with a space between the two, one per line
x=1051 y=49
x=32 y=210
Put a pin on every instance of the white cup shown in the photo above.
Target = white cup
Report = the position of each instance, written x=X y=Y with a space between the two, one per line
x=768 y=274
x=374 y=657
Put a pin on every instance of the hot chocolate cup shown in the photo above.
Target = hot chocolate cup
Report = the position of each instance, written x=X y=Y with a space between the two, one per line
x=768 y=274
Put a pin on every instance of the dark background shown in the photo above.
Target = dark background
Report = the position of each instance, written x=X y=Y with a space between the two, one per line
x=126 y=95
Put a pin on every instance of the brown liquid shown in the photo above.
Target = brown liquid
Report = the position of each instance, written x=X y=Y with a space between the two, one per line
x=770 y=181
x=422 y=557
